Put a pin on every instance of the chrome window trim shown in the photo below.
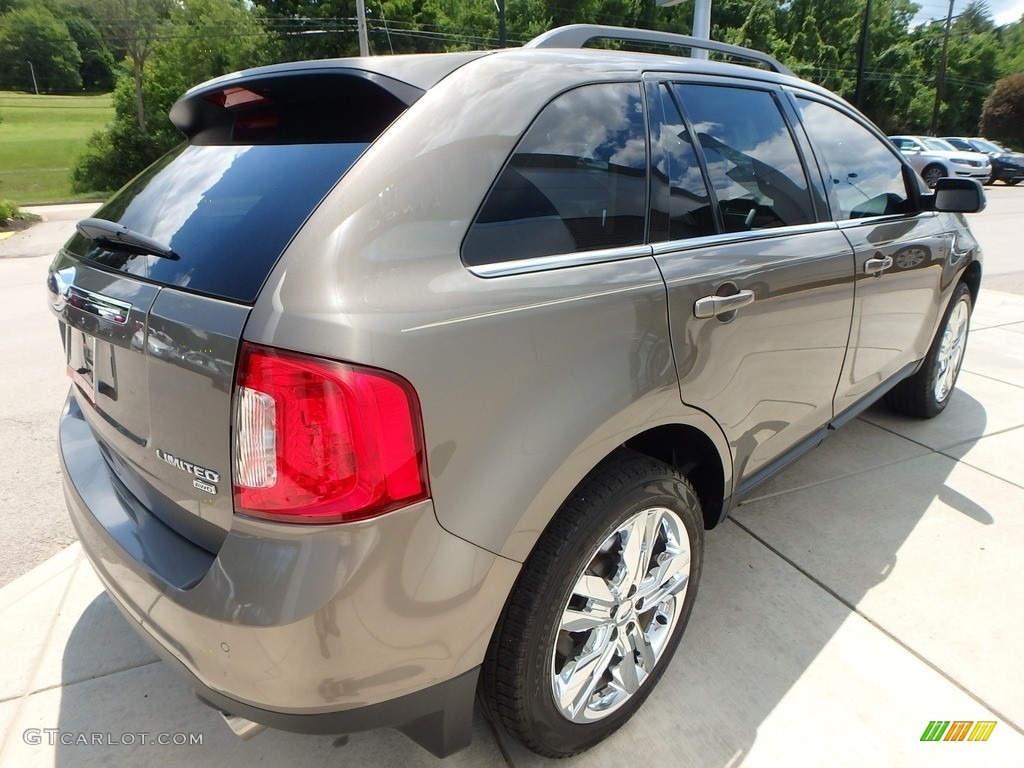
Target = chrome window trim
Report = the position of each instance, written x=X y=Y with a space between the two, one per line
x=560 y=261
x=726 y=238
x=883 y=217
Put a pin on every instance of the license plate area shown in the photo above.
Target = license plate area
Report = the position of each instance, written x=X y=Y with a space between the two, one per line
x=80 y=350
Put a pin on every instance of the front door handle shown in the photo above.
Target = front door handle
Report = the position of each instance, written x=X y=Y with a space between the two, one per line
x=712 y=306
x=877 y=266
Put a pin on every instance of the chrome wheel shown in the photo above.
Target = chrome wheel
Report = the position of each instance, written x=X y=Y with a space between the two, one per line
x=599 y=607
x=951 y=350
x=620 y=615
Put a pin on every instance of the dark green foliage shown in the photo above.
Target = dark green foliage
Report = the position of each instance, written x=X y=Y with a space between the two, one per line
x=1002 y=117
x=34 y=35
x=98 y=65
x=191 y=40
x=115 y=154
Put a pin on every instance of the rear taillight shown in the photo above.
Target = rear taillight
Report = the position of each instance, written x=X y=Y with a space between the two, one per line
x=318 y=441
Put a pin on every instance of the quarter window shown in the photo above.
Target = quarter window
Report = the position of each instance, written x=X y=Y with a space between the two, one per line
x=680 y=205
x=865 y=176
x=752 y=161
x=577 y=181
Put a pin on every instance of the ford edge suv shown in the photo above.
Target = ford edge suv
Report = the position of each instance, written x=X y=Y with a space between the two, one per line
x=410 y=380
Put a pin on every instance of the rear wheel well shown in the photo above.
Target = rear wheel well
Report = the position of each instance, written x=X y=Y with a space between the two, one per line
x=693 y=454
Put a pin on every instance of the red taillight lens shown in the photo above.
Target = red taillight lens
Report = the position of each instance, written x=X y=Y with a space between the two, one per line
x=318 y=441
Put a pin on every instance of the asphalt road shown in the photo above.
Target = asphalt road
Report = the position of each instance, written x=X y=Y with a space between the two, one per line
x=999 y=229
x=34 y=524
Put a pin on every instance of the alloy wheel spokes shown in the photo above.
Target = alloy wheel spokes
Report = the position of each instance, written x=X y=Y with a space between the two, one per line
x=951 y=350
x=620 y=615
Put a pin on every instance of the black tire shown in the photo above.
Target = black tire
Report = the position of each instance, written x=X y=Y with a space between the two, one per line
x=531 y=652
x=923 y=395
x=932 y=173
x=1014 y=182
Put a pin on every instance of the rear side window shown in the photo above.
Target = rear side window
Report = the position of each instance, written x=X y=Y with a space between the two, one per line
x=865 y=177
x=752 y=161
x=576 y=182
x=260 y=161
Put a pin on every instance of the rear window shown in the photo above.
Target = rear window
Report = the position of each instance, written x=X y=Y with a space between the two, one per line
x=261 y=159
x=227 y=211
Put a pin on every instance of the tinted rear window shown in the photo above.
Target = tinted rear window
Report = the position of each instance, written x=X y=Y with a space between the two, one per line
x=228 y=211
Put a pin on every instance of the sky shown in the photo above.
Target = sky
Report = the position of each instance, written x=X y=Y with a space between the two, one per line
x=1002 y=11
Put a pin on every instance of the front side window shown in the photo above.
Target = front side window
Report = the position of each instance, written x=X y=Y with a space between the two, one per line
x=576 y=182
x=752 y=161
x=865 y=176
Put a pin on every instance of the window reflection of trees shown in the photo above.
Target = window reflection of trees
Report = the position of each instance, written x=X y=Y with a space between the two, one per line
x=577 y=181
x=866 y=177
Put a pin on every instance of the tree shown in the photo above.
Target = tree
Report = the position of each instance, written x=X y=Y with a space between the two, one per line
x=201 y=39
x=98 y=63
x=134 y=25
x=1002 y=117
x=311 y=29
x=1011 y=39
x=33 y=40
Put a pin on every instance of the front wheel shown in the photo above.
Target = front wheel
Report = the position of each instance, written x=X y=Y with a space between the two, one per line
x=932 y=174
x=1014 y=182
x=599 y=608
x=927 y=392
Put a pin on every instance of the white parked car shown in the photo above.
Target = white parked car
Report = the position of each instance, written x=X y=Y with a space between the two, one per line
x=935 y=159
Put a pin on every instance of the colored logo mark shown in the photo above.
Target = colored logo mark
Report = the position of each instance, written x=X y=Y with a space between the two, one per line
x=958 y=730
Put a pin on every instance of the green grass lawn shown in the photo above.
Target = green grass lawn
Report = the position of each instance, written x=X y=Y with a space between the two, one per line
x=41 y=138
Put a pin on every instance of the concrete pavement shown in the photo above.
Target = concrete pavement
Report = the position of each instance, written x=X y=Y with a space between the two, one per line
x=869 y=589
x=34 y=525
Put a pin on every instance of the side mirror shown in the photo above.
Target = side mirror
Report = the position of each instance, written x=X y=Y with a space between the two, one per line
x=953 y=195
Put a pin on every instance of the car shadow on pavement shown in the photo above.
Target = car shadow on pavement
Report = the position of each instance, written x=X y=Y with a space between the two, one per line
x=815 y=639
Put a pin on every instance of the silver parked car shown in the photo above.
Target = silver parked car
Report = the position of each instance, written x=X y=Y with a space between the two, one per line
x=409 y=379
x=935 y=159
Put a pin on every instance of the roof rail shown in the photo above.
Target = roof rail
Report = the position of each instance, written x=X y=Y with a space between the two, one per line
x=578 y=35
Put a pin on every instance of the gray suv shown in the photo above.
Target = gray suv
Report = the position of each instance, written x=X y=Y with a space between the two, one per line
x=412 y=380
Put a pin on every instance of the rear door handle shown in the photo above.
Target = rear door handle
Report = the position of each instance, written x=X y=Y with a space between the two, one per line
x=877 y=266
x=712 y=306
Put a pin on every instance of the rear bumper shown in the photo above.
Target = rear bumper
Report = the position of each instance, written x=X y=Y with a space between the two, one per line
x=305 y=628
x=439 y=718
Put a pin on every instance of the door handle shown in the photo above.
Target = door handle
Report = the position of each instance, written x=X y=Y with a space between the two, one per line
x=712 y=306
x=877 y=266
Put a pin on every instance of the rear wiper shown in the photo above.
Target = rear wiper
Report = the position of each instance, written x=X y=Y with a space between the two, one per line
x=119 y=238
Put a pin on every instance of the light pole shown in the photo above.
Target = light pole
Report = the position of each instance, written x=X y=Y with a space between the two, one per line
x=364 y=42
x=862 y=58
x=940 y=76
x=701 y=22
x=34 y=83
x=502 y=38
